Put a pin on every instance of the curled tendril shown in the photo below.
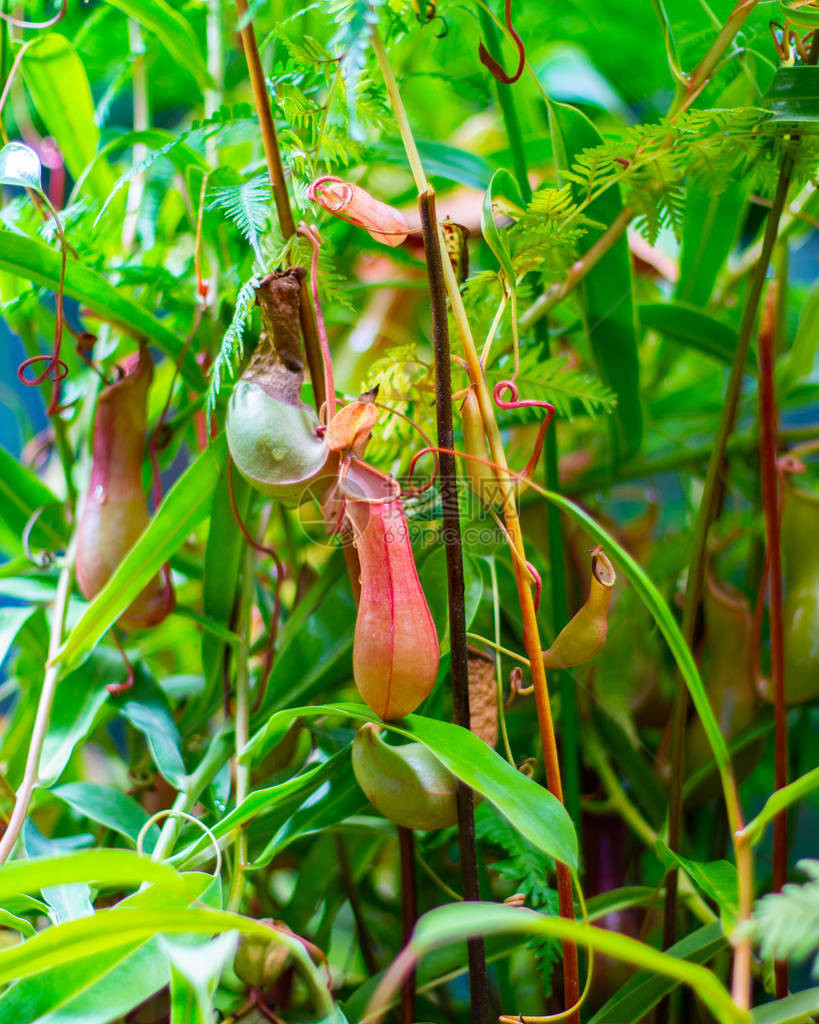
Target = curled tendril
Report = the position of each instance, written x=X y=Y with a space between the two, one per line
x=42 y=559
x=18 y=23
x=494 y=67
x=526 y=403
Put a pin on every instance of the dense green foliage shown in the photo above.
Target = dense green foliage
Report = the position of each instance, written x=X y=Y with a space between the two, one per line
x=642 y=215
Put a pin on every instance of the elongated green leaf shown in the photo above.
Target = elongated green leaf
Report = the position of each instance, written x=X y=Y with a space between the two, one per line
x=338 y=798
x=105 y=805
x=794 y=95
x=794 y=1009
x=642 y=992
x=710 y=229
x=260 y=801
x=781 y=799
x=174 y=32
x=182 y=510
x=439 y=159
x=58 y=84
x=606 y=291
x=685 y=324
x=98 y=988
x=502 y=186
x=21 y=494
x=39 y=263
x=80 y=698
x=532 y=810
x=195 y=970
x=146 y=707
x=17 y=924
x=800 y=14
x=803 y=351
x=104 y=867
x=88 y=936
x=460 y=921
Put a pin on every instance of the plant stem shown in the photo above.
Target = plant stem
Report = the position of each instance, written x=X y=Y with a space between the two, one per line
x=699 y=77
x=52 y=674
x=409 y=915
x=478 y=980
x=531 y=633
x=709 y=507
x=772 y=514
x=275 y=170
x=569 y=718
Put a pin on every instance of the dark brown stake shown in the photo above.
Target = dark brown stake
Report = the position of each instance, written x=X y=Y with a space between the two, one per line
x=409 y=915
x=478 y=980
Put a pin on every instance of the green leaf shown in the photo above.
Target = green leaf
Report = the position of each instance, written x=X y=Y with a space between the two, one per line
x=803 y=351
x=17 y=924
x=181 y=511
x=460 y=921
x=79 y=699
x=146 y=707
x=502 y=187
x=685 y=324
x=20 y=165
x=22 y=493
x=98 y=988
x=195 y=971
x=102 y=867
x=66 y=942
x=532 y=810
x=800 y=14
x=795 y=1009
x=606 y=292
x=174 y=32
x=642 y=992
x=440 y=161
x=793 y=95
x=107 y=806
x=338 y=798
x=247 y=205
x=59 y=87
x=37 y=262
x=779 y=800
x=716 y=879
x=710 y=229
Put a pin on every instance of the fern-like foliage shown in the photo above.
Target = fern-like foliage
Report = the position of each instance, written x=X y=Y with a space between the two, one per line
x=570 y=391
x=527 y=868
x=232 y=348
x=248 y=206
x=356 y=20
x=786 y=924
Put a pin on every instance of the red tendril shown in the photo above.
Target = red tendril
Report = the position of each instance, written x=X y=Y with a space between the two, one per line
x=494 y=67
x=530 y=403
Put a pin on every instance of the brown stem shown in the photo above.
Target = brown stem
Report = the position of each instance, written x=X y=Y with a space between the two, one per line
x=275 y=169
x=768 y=426
x=409 y=915
x=701 y=74
x=478 y=981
